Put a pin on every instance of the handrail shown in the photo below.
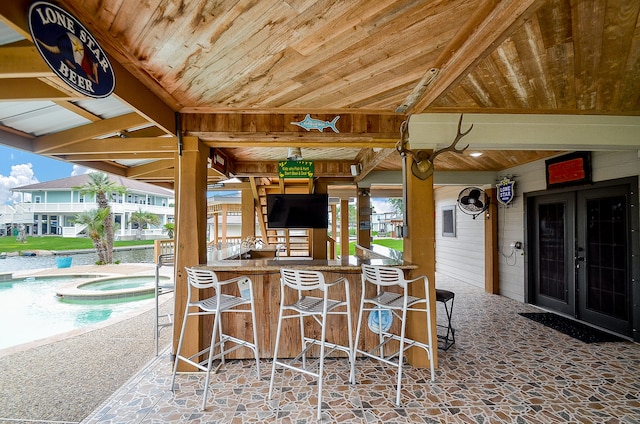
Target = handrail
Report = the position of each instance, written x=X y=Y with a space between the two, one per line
x=163 y=247
x=331 y=249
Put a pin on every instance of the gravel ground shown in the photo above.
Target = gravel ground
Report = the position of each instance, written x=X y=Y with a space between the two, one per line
x=66 y=380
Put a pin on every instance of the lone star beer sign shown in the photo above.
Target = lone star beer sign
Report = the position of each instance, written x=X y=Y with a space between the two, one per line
x=70 y=50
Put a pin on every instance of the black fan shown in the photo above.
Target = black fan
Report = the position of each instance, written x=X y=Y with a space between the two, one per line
x=473 y=201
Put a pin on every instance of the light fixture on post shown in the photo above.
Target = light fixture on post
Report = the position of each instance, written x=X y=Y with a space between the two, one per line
x=294 y=153
x=356 y=169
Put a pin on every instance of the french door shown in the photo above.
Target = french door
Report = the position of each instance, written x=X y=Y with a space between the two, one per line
x=580 y=246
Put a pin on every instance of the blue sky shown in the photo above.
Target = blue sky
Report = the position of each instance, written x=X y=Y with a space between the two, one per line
x=18 y=168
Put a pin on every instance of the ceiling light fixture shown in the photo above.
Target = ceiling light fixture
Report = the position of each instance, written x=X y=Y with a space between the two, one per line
x=475 y=154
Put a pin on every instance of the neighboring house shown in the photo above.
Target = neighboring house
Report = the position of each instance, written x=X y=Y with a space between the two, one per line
x=387 y=224
x=54 y=205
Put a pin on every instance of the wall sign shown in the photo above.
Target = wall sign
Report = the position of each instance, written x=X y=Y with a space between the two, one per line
x=295 y=169
x=309 y=123
x=569 y=170
x=505 y=191
x=70 y=50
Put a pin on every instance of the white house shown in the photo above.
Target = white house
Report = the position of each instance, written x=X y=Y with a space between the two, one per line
x=54 y=205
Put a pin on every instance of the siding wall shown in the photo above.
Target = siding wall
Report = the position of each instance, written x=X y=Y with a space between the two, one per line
x=462 y=257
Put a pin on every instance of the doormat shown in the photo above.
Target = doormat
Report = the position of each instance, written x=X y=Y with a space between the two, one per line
x=572 y=328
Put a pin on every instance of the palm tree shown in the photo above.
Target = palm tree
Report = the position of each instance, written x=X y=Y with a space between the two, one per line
x=94 y=220
x=101 y=187
x=170 y=227
x=143 y=220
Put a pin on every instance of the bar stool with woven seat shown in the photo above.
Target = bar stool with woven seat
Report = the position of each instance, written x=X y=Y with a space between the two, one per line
x=216 y=305
x=307 y=285
x=386 y=304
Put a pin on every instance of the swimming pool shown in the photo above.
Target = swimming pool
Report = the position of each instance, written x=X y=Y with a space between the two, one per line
x=30 y=310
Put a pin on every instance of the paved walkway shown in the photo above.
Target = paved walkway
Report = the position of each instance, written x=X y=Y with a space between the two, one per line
x=63 y=380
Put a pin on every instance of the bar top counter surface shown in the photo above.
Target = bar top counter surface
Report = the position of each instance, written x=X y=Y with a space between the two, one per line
x=261 y=260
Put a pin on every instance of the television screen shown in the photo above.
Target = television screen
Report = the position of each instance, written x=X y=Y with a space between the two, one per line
x=297 y=210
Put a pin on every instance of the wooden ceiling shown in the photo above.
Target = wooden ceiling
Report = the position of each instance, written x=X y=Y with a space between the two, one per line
x=241 y=72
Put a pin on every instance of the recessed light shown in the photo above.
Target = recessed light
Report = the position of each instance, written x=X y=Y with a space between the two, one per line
x=475 y=154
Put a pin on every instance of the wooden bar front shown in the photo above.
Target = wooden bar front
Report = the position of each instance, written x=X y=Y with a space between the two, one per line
x=265 y=276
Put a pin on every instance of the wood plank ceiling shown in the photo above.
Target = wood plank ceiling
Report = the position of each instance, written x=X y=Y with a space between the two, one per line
x=241 y=72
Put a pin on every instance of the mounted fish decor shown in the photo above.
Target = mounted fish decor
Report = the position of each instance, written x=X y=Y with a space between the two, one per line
x=309 y=123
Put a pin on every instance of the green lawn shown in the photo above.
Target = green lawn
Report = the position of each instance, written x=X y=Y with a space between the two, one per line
x=396 y=244
x=9 y=244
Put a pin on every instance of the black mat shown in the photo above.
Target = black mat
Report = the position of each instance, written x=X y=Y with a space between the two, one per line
x=572 y=328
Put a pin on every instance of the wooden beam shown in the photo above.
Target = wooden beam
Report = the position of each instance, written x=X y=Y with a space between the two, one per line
x=110 y=168
x=51 y=142
x=131 y=146
x=15 y=139
x=477 y=38
x=72 y=107
x=370 y=159
x=229 y=140
x=22 y=61
x=26 y=89
x=148 y=168
x=14 y=14
x=117 y=156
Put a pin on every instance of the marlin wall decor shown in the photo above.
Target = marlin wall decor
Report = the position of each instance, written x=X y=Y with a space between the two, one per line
x=309 y=123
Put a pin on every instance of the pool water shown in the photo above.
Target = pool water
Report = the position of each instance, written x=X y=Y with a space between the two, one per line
x=30 y=310
x=120 y=283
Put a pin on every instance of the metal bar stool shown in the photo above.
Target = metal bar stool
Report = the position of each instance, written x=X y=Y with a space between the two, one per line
x=449 y=338
x=162 y=288
x=308 y=304
x=386 y=305
x=218 y=304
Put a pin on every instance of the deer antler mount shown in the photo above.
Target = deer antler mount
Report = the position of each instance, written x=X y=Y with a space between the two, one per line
x=422 y=166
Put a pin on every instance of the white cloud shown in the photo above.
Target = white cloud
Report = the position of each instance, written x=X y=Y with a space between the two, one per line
x=20 y=175
x=382 y=206
x=80 y=170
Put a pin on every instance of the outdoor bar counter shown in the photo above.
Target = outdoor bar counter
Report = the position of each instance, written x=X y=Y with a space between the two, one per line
x=265 y=276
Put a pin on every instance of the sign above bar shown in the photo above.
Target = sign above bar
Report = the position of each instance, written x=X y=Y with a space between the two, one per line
x=295 y=169
x=70 y=50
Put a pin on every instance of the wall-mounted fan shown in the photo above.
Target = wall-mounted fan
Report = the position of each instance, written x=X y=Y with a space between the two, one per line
x=473 y=201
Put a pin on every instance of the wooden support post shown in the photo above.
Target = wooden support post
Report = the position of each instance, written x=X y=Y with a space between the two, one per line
x=364 y=217
x=224 y=223
x=344 y=228
x=216 y=228
x=334 y=229
x=248 y=213
x=190 y=234
x=318 y=242
x=419 y=249
x=491 y=274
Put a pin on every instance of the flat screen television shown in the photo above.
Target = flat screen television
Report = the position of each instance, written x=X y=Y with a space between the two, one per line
x=297 y=210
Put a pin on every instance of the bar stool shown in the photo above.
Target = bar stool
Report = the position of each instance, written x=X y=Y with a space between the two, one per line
x=449 y=338
x=387 y=304
x=217 y=305
x=308 y=304
x=162 y=288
